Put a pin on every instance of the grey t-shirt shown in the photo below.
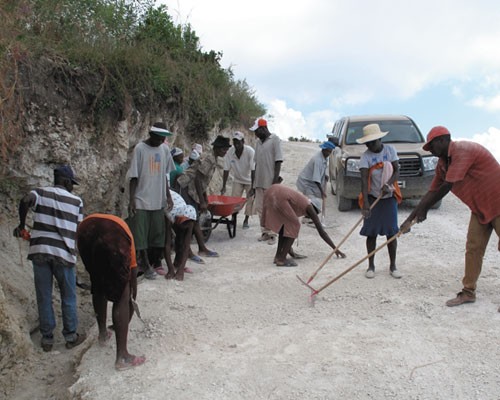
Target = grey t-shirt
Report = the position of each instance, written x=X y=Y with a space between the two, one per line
x=151 y=166
x=314 y=172
x=266 y=155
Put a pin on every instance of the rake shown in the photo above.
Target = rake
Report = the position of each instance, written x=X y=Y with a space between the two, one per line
x=315 y=292
x=341 y=243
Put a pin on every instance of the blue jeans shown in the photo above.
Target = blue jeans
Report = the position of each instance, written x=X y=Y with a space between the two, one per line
x=66 y=280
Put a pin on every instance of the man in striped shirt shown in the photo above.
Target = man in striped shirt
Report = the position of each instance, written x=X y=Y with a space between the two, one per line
x=52 y=251
x=472 y=174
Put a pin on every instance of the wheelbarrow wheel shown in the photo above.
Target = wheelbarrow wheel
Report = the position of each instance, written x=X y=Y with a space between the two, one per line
x=206 y=234
x=231 y=225
x=206 y=225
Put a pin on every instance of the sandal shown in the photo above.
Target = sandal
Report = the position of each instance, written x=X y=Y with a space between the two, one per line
x=134 y=362
x=197 y=260
x=208 y=253
x=287 y=263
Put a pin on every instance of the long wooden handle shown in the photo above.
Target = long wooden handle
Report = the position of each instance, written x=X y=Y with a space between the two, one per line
x=342 y=241
x=363 y=259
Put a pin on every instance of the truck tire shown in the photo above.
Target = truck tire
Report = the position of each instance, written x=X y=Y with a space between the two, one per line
x=343 y=203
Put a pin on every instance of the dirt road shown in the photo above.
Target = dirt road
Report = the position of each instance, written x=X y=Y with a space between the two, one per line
x=241 y=328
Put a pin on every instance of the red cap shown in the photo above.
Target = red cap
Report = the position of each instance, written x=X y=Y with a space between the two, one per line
x=433 y=134
x=259 y=123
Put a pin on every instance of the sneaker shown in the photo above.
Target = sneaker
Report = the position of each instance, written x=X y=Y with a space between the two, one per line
x=245 y=225
x=47 y=347
x=271 y=240
x=150 y=274
x=462 y=297
x=79 y=340
x=396 y=274
x=370 y=273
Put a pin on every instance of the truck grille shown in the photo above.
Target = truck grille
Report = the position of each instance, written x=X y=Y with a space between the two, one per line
x=410 y=167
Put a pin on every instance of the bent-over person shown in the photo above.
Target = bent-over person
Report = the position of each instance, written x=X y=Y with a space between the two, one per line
x=282 y=209
x=107 y=249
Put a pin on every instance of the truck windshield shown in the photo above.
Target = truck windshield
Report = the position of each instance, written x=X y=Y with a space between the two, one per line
x=399 y=131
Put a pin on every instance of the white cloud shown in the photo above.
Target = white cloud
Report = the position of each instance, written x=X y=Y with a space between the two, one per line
x=490 y=140
x=355 y=56
x=487 y=103
x=287 y=122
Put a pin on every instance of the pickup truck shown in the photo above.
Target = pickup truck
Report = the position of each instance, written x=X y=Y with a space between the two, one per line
x=416 y=166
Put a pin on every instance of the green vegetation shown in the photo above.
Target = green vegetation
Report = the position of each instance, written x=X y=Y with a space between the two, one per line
x=302 y=139
x=139 y=54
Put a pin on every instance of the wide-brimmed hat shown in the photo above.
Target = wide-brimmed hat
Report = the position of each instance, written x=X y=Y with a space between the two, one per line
x=433 y=134
x=221 y=142
x=160 y=129
x=371 y=132
x=259 y=123
x=65 y=171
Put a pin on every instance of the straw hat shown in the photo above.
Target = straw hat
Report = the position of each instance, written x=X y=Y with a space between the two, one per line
x=371 y=132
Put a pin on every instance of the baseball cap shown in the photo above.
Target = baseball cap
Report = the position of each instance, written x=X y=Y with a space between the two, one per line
x=433 y=134
x=238 y=135
x=260 y=122
x=66 y=172
x=327 y=145
x=194 y=155
x=160 y=129
x=176 y=152
x=198 y=147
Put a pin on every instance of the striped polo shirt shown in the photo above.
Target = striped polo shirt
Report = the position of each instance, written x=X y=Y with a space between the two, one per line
x=57 y=213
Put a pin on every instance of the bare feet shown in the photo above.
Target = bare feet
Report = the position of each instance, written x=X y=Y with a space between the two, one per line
x=170 y=275
x=179 y=276
x=129 y=362
x=104 y=337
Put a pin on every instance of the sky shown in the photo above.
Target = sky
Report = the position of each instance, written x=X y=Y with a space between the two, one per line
x=311 y=62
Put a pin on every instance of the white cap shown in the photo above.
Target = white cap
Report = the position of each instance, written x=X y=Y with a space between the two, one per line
x=198 y=147
x=176 y=152
x=238 y=135
x=194 y=155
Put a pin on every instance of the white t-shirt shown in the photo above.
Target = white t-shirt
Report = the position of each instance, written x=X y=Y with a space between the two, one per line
x=240 y=168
